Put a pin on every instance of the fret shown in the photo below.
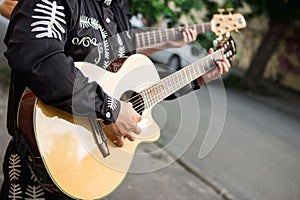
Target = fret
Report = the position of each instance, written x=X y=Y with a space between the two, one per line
x=154 y=37
x=157 y=92
x=167 y=35
x=177 y=80
x=189 y=75
x=203 y=28
x=137 y=40
x=193 y=71
x=160 y=35
x=152 y=92
x=145 y=98
x=212 y=62
x=201 y=67
x=195 y=68
x=173 y=32
x=206 y=66
x=162 y=91
x=148 y=35
x=180 y=78
x=186 y=75
x=143 y=39
x=169 y=83
x=190 y=71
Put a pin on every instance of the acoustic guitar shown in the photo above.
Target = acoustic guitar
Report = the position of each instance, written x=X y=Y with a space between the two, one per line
x=66 y=143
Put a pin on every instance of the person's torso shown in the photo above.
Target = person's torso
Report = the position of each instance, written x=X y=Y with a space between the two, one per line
x=97 y=36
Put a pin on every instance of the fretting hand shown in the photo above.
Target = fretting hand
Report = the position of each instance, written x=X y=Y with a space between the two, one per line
x=189 y=35
x=223 y=66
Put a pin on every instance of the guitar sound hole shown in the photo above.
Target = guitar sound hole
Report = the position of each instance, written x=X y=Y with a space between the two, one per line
x=136 y=99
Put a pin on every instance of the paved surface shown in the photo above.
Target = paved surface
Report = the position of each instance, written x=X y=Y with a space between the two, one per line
x=258 y=153
x=3 y=25
x=256 y=157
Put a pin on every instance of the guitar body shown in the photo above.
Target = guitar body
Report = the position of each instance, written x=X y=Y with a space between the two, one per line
x=66 y=145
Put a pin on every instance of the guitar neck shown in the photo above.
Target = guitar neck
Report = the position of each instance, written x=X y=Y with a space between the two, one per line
x=149 y=38
x=170 y=84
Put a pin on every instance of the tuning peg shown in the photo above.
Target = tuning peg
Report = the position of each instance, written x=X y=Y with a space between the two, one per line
x=237 y=31
x=229 y=10
x=221 y=10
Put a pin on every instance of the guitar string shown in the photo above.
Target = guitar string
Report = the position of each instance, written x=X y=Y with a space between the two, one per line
x=176 y=84
x=196 y=67
x=160 y=35
x=160 y=94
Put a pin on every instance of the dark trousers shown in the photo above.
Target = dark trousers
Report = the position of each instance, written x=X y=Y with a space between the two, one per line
x=19 y=181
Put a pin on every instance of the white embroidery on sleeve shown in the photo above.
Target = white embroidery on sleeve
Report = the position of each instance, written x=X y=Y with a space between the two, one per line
x=112 y=103
x=49 y=17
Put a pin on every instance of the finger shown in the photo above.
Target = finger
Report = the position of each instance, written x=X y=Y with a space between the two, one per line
x=226 y=65
x=136 y=129
x=225 y=69
x=138 y=118
x=220 y=67
x=184 y=36
x=194 y=34
x=120 y=141
x=130 y=137
x=210 y=50
x=189 y=35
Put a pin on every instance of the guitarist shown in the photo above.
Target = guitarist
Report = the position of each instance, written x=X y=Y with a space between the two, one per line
x=44 y=39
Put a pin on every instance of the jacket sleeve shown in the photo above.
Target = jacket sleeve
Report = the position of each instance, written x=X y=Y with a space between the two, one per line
x=35 y=39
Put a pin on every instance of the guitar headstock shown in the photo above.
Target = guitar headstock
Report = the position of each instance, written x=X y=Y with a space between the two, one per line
x=227 y=45
x=220 y=23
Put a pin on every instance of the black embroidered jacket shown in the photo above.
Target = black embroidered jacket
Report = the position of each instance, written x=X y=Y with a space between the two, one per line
x=46 y=37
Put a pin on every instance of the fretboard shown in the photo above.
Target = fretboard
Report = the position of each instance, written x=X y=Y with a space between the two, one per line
x=170 y=84
x=149 y=38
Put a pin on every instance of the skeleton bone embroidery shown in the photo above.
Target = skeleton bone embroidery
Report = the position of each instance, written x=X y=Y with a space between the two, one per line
x=121 y=49
x=90 y=22
x=34 y=192
x=15 y=191
x=49 y=20
x=107 y=2
x=14 y=166
x=112 y=103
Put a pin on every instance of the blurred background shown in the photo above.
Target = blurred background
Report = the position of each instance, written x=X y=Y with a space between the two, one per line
x=258 y=154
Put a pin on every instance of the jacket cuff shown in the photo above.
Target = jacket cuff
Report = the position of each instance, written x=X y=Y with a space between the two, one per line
x=110 y=110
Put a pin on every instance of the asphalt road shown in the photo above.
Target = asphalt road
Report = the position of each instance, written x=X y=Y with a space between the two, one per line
x=258 y=153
